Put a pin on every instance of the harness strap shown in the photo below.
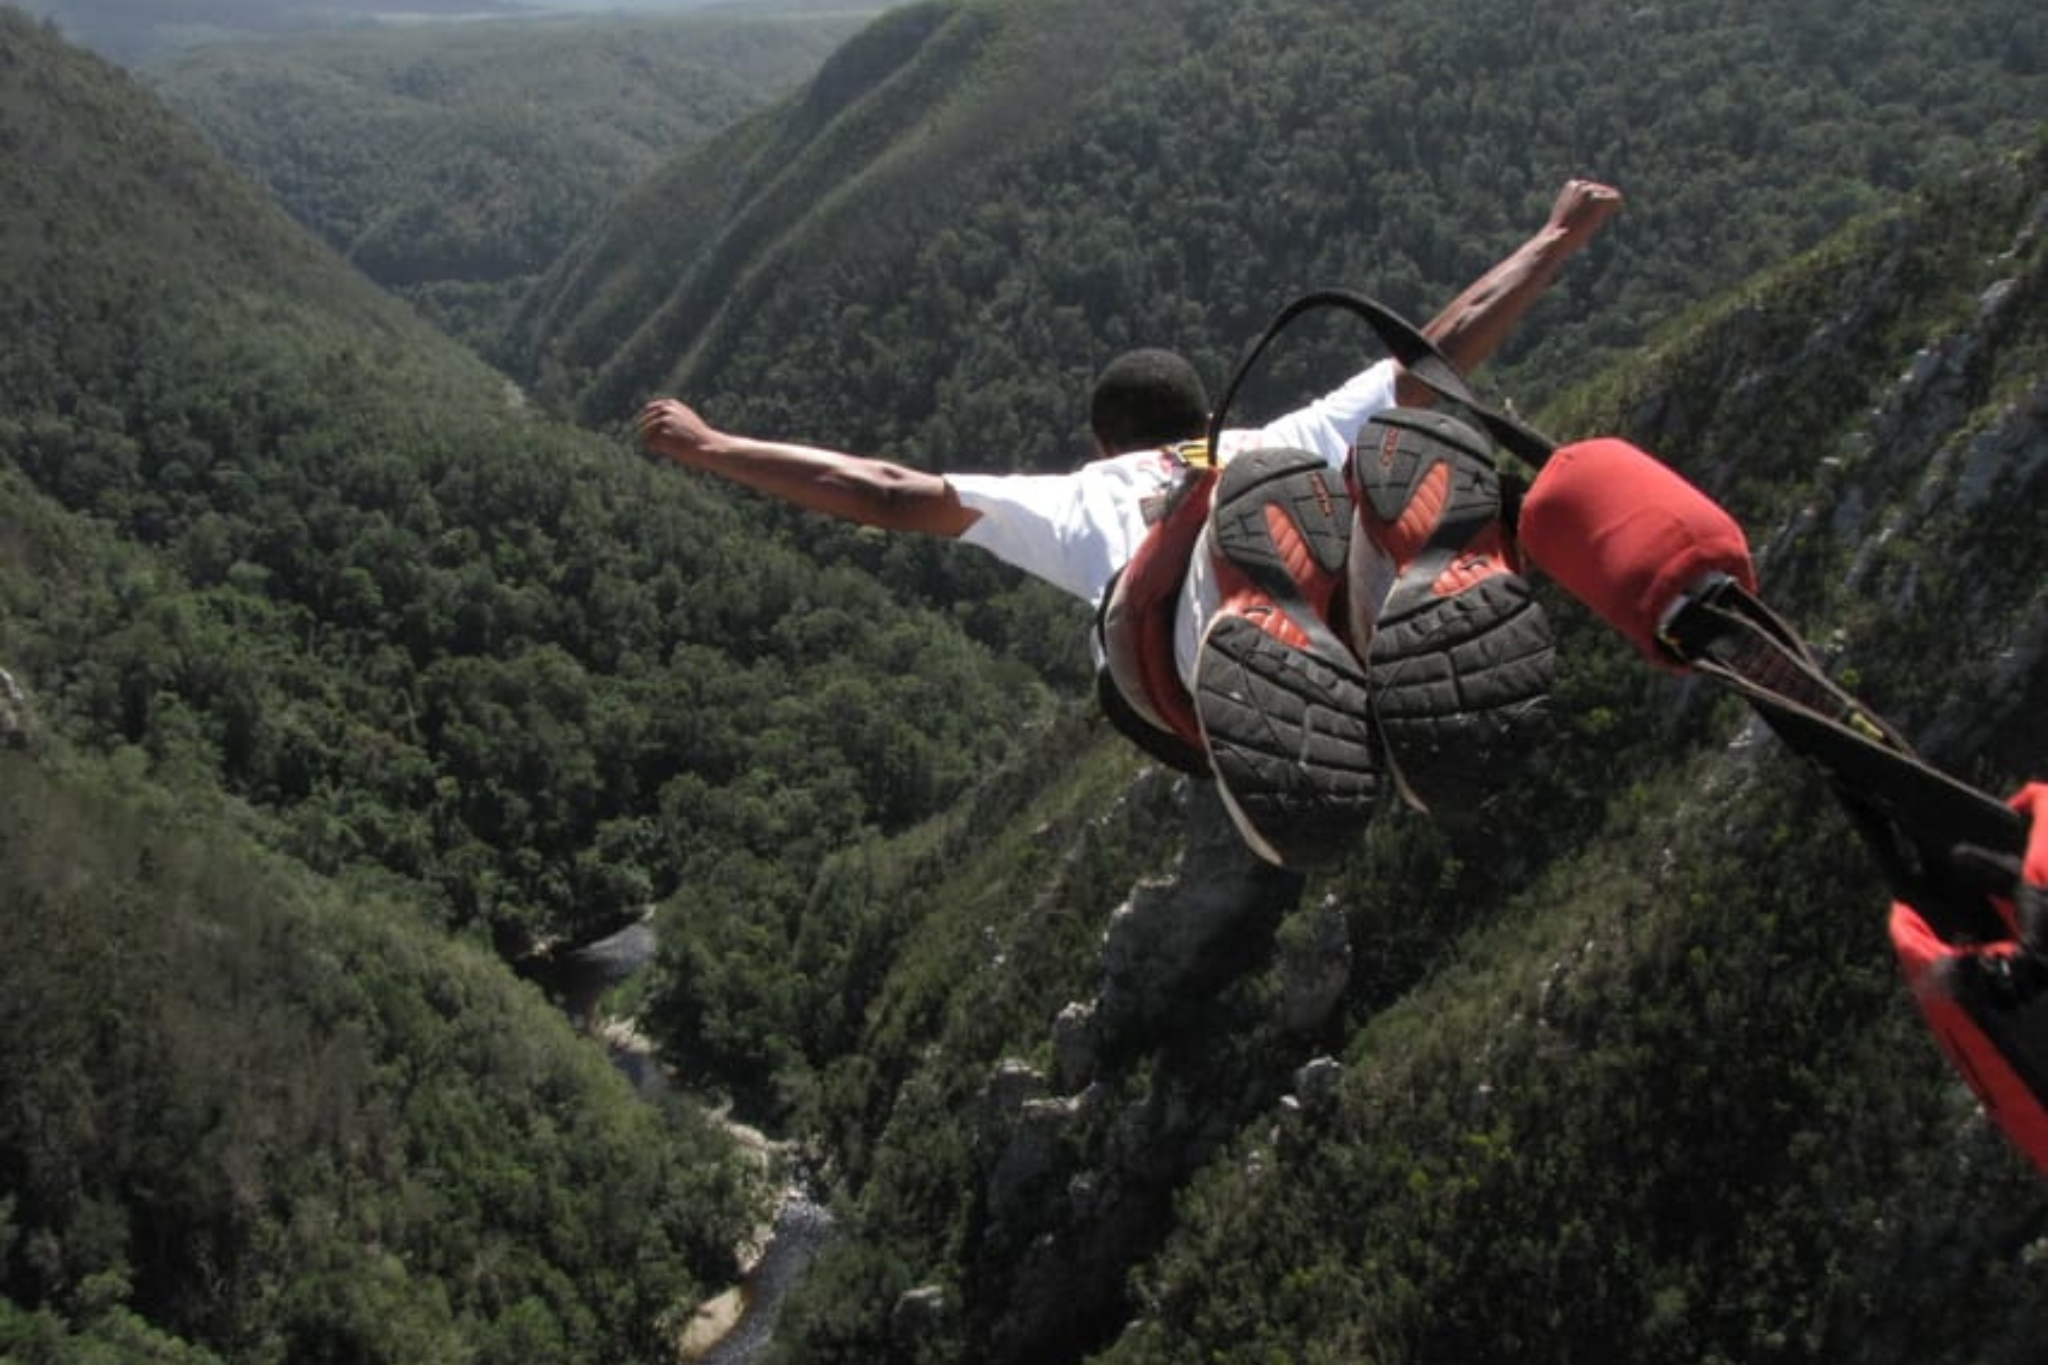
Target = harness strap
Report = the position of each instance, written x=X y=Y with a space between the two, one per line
x=1418 y=356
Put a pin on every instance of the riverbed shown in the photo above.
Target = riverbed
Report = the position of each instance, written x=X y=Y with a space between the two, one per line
x=801 y=1229
x=736 y=1327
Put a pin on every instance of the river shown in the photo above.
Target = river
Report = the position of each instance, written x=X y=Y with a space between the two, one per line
x=580 y=977
x=801 y=1228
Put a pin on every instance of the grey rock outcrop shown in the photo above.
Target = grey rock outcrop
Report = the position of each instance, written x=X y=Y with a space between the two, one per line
x=1314 y=967
x=1080 y=1166
x=14 y=713
x=1174 y=940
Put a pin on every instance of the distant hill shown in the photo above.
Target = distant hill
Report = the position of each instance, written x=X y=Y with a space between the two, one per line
x=135 y=30
x=454 y=162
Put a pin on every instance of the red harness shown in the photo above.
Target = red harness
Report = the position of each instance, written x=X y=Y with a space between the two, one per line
x=1998 y=1045
x=1135 y=627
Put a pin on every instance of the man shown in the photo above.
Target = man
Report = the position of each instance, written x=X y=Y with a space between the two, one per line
x=1273 y=601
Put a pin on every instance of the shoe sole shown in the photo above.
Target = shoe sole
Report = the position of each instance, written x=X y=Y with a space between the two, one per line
x=1460 y=651
x=1461 y=689
x=1282 y=516
x=1430 y=485
x=1288 y=727
x=1291 y=741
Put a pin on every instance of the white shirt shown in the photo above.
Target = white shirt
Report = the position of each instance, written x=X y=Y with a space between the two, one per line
x=1076 y=530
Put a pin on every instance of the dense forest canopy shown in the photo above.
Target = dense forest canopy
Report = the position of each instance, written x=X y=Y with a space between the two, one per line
x=1170 y=171
x=454 y=164
x=247 y=1109
x=351 y=672
x=375 y=546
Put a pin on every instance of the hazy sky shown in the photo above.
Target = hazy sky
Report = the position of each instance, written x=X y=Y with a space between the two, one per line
x=137 y=30
x=306 y=13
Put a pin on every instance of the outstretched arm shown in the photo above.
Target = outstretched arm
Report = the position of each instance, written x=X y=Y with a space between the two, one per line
x=1473 y=325
x=852 y=487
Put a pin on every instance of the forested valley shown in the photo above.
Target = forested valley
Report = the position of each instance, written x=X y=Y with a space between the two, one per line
x=453 y=166
x=354 y=664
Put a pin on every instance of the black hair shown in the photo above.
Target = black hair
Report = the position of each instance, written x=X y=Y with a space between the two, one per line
x=1146 y=398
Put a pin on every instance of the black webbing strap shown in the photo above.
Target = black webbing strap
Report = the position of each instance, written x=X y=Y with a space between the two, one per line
x=1417 y=354
x=1928 y=832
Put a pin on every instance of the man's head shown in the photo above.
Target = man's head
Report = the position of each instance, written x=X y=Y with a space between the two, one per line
x=1147 y=398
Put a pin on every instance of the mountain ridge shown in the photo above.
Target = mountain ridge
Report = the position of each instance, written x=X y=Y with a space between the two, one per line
x=1216 y=169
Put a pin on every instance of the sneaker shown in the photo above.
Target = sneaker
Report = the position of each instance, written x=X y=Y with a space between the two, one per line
x=1290 y=737
x=1285 y=711
x=1282 y=518
x=1460 y=650
x=1428 y=503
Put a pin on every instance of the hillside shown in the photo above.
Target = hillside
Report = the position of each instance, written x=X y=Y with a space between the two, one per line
x=497 y=657
x=248 y=1112
x=252 y=1115
x=329 y=670
x=453 y=163
x=1060 y=180
x=1618 y=1068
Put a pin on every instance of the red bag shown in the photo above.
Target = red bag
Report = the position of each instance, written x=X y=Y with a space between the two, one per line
x=1627 y=536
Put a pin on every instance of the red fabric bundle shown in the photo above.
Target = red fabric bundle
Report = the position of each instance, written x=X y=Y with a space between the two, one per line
x=1627 y=536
